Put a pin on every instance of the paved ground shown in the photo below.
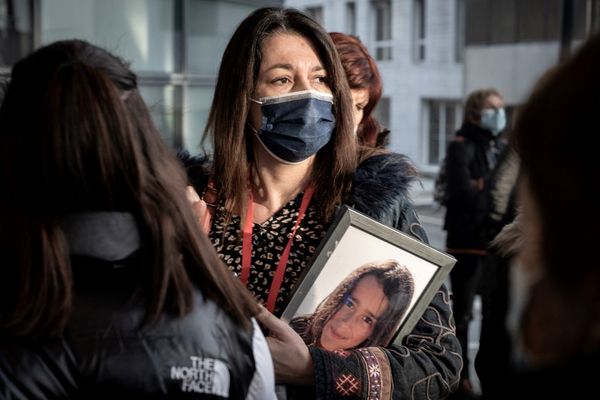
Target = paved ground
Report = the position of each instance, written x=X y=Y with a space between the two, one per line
x=432 y=218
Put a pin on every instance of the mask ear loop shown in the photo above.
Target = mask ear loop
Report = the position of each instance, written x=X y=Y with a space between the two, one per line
x=253 y=129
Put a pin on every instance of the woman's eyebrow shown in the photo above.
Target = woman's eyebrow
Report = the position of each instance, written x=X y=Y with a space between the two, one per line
x=290 y=67
x=280 y=65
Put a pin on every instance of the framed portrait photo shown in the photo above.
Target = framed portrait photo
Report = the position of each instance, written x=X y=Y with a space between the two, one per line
x=367 y=285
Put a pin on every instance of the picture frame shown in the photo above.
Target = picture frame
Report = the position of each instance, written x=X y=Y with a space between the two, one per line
x=353 y=241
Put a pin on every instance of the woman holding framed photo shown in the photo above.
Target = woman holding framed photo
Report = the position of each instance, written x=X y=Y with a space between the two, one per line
x=285 y=158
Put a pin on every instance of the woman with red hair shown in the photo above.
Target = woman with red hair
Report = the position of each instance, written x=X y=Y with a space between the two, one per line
x=365 y=85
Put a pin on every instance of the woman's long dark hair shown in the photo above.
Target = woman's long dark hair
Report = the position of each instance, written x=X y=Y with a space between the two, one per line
x=233 y=159
x=75 y=135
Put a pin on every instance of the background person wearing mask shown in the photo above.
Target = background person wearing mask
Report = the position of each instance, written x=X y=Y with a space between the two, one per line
x=470 y=158
x=285 y=157
x=108 y=289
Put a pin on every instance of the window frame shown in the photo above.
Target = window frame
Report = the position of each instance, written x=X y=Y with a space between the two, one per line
x=419 y=21
x=382 y=33
x=448 y=133
x=182 y=80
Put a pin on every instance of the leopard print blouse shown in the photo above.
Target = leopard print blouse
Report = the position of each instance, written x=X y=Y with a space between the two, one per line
x=268 y=242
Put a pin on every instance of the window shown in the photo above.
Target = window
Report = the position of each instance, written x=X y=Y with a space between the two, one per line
x=195 y=116
x=351 y=18
x=210 y=25
x=382 y=11
x=442 y=119
x=175 y=47
x=16 y=35
x=520 y=21
x=316 y=13
x=459 y=49
x=593 y=16
x=419 y=30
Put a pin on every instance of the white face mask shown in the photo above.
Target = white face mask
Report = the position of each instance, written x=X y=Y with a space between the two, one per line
x=493 y=119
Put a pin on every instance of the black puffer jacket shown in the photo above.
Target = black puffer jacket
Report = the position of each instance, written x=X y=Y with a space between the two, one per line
x=104 y=354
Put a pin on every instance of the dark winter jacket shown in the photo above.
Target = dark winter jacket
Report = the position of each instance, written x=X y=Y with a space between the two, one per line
x=428 y=363
x=471 y=156
x=104 y=353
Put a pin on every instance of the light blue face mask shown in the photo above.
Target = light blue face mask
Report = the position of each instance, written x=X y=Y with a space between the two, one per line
x=296 y=125
x=493 y=119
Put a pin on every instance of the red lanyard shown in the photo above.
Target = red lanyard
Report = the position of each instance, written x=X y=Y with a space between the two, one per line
x=247 y=246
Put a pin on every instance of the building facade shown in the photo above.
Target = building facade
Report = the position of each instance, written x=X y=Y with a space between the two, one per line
x=430 y=52
x=174 y=46
x=417 y=47
x=511 y=43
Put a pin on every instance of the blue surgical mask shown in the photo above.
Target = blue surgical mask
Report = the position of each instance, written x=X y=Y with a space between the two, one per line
x=493 y=119
x=296 y=125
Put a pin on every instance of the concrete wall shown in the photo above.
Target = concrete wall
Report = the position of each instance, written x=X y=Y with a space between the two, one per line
x=513 y=69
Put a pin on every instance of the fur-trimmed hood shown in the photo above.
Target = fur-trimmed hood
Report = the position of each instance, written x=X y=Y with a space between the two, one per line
x=381 y=184
x=380 y=189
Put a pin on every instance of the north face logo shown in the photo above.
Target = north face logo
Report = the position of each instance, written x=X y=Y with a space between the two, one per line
x=205 y=375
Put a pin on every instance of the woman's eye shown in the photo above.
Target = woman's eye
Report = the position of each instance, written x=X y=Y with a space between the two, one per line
x=322 y=80
x=282 y=81
x=368 y=320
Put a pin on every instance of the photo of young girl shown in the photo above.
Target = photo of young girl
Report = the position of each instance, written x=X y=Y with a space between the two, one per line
x=364 y=310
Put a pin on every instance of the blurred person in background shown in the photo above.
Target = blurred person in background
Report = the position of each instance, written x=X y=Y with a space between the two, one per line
x=555 y=298
x=366 y=88
x=108 y=288
x=285 y=158
x=493 y=355
x=471 y=157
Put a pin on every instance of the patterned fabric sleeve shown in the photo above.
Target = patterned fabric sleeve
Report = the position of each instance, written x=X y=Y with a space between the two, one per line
x=426 y=366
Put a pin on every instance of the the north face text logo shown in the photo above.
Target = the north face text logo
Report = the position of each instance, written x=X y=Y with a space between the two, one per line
x=205 y=375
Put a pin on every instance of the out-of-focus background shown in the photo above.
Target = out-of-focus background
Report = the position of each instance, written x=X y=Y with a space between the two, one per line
x=431 y=54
